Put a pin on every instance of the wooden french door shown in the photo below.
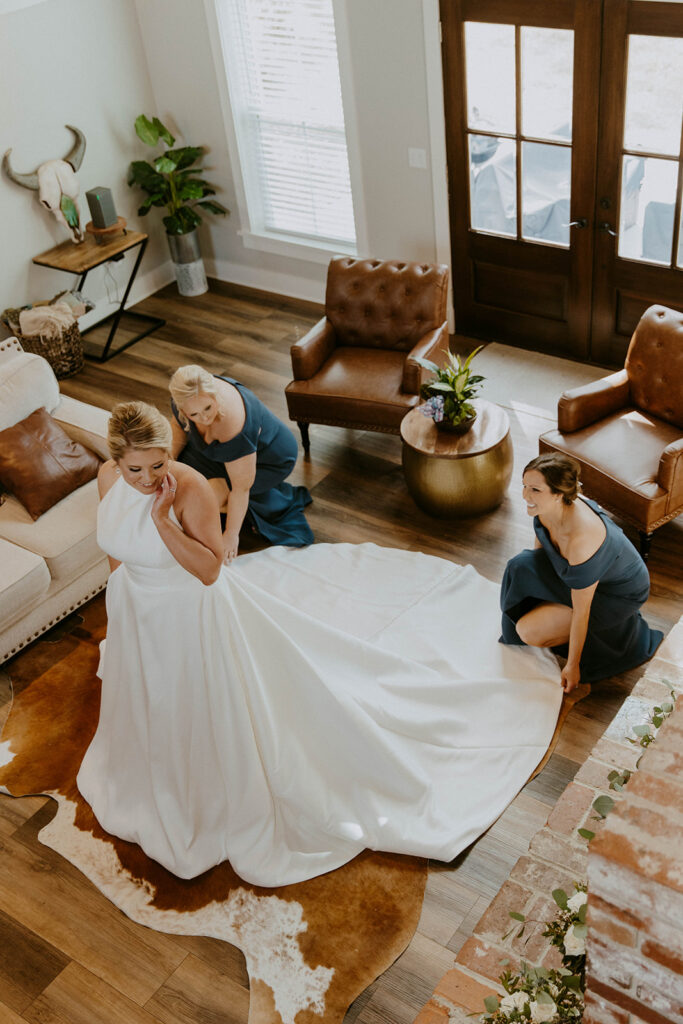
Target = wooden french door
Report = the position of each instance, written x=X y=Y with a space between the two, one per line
x=562 y=228
x=638 y=238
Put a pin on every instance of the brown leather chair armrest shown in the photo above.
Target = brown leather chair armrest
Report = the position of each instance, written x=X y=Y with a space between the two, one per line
x=311 y=351
x=427 y=347
x=582 y=406
x=670 y=474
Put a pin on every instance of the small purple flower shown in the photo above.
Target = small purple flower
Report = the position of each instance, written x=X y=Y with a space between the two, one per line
x=433 y=408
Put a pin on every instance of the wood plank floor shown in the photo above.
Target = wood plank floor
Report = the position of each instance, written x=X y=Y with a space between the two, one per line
x=66 y=955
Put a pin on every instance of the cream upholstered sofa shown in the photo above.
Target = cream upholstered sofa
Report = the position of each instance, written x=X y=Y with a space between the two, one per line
x=50 y=566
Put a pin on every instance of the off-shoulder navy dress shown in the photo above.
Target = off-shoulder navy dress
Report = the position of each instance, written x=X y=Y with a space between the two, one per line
x=618 y=637
x=276 y=508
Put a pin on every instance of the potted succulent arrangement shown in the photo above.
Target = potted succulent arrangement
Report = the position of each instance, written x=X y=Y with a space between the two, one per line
x=448 y=394
x=172 y=180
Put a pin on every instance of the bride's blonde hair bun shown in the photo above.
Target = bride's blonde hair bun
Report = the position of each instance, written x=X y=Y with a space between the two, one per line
x=137 y=425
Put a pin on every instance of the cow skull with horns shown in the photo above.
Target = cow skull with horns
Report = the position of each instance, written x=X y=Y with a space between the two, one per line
x=56 y=184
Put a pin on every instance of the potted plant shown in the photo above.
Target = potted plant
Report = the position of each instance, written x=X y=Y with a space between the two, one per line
x=172 y=180
x=449 y=392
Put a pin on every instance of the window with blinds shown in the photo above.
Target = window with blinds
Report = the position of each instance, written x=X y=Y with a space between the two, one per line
x=283 y=78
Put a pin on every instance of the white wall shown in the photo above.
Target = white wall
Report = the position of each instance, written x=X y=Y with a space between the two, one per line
x=79 y=62
x=388 y=79
x=120 y=58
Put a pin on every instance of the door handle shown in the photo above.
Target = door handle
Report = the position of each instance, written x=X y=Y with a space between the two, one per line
x=605 y=227
x=580 y=223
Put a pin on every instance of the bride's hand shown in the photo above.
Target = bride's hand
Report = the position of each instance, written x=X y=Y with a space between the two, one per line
x=230 y=547
x=164 y=497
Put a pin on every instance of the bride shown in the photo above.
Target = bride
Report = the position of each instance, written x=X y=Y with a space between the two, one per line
x=299 y=705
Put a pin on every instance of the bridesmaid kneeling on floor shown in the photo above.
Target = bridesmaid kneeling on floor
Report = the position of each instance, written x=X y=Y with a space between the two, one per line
x=245 y=452
x=580 y=590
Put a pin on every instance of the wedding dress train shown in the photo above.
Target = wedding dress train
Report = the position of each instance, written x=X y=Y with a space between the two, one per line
x=309 y=704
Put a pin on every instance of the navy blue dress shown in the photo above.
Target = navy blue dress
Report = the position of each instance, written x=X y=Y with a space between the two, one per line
x=276 y=508
x=618 y=637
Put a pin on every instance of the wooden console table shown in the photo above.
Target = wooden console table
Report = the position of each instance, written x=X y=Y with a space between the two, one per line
x=84 y=257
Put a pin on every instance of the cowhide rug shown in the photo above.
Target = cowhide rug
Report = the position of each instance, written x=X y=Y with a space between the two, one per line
x=310 y=949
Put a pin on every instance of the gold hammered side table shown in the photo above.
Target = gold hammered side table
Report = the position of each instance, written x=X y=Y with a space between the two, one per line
x=453 y=475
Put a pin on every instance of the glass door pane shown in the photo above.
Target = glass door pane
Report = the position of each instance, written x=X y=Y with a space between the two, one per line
x=490 y=51
x=654 y=95
x=652 y=127
x=547 y=82
x=504 y=135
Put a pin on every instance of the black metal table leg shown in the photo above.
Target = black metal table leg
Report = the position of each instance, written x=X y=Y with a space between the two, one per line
x=153 y=321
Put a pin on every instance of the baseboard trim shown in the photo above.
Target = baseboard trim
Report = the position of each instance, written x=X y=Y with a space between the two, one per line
x=266 y=281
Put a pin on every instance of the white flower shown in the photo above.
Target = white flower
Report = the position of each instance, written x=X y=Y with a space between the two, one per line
x=542 y=1011
x=573 y=944
x=514 y=1001
x=577 y=901
x=554 y=990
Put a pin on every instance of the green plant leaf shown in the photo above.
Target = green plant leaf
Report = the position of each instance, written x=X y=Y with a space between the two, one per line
x=560 y=897
x=213 y=207
x=153 y=200
x=573 y=981
x=667 y=707
x=163 y=165
x=491 y=1004
x=163 y=132
x=185 y=156
x=583 y=910
x=657 y=721
x=190 y=190
x=603 y=805
x=641 y=730
x=586 y=833
x=183 y=221
x=427 y=364
x=146 y=177
x=517 y=916
x=580 y=930
x=544 y=998
x=146 y=131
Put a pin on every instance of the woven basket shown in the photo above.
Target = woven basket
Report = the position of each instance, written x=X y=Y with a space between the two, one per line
x=64 y=353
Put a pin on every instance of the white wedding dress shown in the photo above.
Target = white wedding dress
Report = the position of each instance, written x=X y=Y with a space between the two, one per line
x=309 y=704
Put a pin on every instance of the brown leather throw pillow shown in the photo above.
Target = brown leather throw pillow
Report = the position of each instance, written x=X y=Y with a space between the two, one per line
x=40 y=464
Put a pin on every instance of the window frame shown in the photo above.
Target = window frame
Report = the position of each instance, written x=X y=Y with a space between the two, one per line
x=255 y=237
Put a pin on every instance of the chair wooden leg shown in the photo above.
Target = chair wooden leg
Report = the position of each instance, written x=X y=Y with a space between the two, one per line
x=303 y=427
x=645 y=541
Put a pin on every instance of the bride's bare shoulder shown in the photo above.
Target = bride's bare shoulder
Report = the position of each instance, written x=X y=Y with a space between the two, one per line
x=107 y=475
x=189 y=479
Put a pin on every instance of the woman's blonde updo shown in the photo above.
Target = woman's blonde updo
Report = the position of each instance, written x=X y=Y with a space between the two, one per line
x=187 y=382
x=560 y=473
x=137 y=425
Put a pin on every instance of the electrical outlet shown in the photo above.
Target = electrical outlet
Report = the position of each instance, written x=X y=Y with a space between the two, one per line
x=417 y=158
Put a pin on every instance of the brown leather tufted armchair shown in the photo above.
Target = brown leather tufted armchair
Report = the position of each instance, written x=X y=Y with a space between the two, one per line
x=626 y=430
x=356 y=367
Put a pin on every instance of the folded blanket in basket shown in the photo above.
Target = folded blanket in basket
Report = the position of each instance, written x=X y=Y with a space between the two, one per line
x=46 y=321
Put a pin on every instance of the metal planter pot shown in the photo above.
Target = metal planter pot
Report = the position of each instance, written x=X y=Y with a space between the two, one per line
x=188 y=263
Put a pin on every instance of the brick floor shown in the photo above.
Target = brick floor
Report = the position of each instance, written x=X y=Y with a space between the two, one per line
x=557 y=857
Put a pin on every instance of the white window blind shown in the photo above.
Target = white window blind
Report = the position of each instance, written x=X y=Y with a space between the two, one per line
x=283 y=75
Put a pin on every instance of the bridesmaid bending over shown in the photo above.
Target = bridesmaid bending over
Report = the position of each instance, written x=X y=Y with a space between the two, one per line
x=580 y=590
x=245 y=452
